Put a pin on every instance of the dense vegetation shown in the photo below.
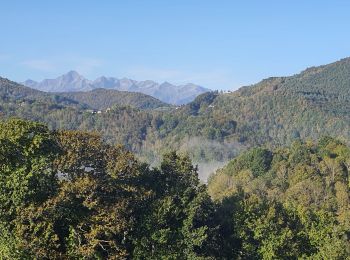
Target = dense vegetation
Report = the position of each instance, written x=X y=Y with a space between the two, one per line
x=214 y=127
x=291 y=202
x=69 y=195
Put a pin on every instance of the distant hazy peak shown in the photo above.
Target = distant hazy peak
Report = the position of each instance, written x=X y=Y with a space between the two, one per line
x=30 y=83
x=72 y=75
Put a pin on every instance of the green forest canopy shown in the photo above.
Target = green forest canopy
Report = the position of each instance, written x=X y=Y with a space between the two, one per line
x=68 y=194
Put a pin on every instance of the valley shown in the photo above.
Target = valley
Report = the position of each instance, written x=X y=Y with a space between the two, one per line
x=213 y=128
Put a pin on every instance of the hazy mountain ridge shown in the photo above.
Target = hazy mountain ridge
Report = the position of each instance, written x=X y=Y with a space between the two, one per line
x=166 y=92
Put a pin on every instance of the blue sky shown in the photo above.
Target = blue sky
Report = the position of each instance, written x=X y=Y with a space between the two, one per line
x=217 y=44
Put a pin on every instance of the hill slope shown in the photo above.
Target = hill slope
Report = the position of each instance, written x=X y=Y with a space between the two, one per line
x=277 y=110
x=106 y=98
x=123 y=123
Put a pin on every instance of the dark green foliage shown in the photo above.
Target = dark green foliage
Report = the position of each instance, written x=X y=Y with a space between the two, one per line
x=26 y=152
x=179 y=220
x=296 y=207
x=257 y=160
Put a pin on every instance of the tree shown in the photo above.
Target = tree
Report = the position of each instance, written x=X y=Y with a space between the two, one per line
x=179 y=221
x=27 y=179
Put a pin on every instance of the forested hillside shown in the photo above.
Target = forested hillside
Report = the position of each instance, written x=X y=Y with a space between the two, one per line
x=125 y=121
x=12 y=94
x=277 y=110
x=103 y=99
x=214 y=127
x=274 y=112
x=69 y=195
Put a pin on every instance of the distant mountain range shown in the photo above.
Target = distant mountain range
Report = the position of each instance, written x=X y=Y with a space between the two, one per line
x=74 y=82
x=97 y=99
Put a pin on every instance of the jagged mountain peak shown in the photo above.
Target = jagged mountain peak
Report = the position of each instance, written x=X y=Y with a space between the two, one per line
x=72 y=74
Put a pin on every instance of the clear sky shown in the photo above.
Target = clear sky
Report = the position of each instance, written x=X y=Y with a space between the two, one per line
x=218 y=44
